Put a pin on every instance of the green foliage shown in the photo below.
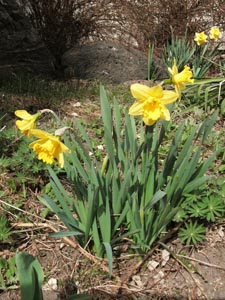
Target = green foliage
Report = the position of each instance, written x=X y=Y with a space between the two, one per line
x=206 y=93
x=203 y=59
x=202 y=207
x=192 y=233
x=8 y=278
x=12 y=159
x=212 y=207
x=180 y=49
x=5 y=230
x=130 y=193
x=151 y=69
x=30 y=275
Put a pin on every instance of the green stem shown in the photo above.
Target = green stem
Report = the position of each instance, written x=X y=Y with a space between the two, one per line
x=46 y=110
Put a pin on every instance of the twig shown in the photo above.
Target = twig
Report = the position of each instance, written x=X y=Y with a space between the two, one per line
x=201 y=262
x=30 y=214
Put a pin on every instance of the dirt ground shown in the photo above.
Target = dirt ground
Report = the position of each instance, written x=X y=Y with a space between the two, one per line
x=177 y=272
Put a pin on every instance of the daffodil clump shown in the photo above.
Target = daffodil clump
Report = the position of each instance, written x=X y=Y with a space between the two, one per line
x=48 y=147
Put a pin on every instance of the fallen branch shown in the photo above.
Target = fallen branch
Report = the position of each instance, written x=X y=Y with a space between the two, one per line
x=201 y=262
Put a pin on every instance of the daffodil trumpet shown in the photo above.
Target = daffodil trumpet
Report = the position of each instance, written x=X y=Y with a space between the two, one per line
x=48 y=147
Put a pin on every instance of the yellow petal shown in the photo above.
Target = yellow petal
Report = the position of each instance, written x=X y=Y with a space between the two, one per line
x=23 y=114
x=140 y=91
x=64 y=148
x=136 y=109
x=165 y=114
x=156 y=92
x=60 y=159
x=148 y=121
x=174 y=69
x=41 y=134
x=25 y=124
x=169 y=97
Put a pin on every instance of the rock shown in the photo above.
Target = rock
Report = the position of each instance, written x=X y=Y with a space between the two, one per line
x=108 y=61
x=21 y=49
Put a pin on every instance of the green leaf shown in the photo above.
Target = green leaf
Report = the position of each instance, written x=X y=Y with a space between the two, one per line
x=92 y=209
x=222 y=107
x=156 y=197
x=30 y=275
x=64 y=233
x=108 y=249
x=106 y=110
x=194 y=184
x=171 y=155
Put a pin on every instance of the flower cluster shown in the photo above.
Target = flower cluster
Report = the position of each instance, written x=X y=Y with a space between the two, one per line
x=201 y=37
x=151 y=102
x=48 y=147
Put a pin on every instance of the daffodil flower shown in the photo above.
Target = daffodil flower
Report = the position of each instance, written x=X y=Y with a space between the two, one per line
x=48 y=147
x=200 y=38
x=179 y=79
x=151 y=103
x=28 y=121
x=214 y=33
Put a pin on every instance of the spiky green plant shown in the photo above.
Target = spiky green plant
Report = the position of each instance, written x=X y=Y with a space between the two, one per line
x=192 y=233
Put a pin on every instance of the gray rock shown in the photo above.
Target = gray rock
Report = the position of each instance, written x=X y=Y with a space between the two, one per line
x=21 y=49
x=109 y=62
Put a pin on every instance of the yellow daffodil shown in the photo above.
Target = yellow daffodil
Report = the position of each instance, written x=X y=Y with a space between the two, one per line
x=214 y=33
x=28 y=121
x=48 y=147
x=200 y=38
x=151 y=103
x=179 y=79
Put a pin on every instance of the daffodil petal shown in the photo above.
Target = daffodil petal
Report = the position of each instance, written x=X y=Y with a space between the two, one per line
x=165 y=114
x=136 y=109
x=156 y=91
x=149 y=122
x=41 y=134
x=64 y=148
x=169 y=97
x=60 y=159
x=25 y=125
x=23 y=114
x=140 y=91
